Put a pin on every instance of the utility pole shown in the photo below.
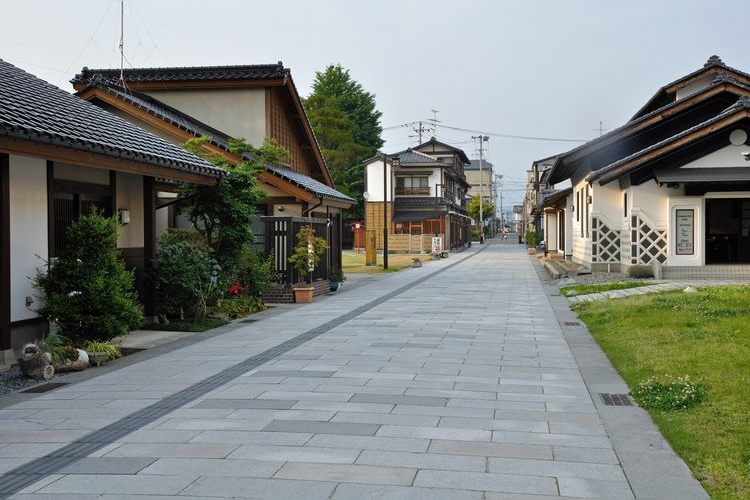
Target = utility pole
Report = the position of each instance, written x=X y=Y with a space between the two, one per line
x=499 y=184
x=482 y=140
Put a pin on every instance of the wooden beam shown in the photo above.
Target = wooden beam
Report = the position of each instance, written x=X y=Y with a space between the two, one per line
x=101 y=161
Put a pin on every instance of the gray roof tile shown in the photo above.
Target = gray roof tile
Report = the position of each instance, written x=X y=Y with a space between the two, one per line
x=198 y=128
x=187 y=74
x=32 y=109
x=308 y=183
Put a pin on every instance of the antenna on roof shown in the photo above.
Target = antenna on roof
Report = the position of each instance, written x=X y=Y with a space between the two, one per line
x=121 y=81
x=601 y=128
x=434 y=121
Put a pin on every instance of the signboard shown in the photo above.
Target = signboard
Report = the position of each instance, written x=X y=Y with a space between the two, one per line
x=685 y=236
x=437 y=245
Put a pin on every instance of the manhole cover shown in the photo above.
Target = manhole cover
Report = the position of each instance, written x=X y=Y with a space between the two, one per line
x=616 y=399
x=49 y=386
x=572 y=323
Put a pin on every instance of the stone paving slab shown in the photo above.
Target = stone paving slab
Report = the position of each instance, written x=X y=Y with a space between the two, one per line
x=449 y=382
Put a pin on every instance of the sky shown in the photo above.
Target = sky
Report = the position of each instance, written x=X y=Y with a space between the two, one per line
x=538 y=77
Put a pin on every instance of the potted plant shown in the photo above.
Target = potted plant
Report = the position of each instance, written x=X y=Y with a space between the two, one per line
x=101 y=351
x=307 y=253
x=531 y=242
x=336 y=277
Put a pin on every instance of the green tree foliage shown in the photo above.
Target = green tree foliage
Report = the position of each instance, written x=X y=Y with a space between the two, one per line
x=488 y=209
x=347 y=125
x=87 y=291
x=223 y=213
x=185 y=277
x=307 y=252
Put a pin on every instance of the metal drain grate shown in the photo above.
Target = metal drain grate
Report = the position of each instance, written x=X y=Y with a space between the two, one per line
x=616 y=399
x=572 y=323
x=49 y=386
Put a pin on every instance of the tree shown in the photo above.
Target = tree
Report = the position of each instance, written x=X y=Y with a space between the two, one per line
x=347 y=126
x=223 y=214
x=87 y=291
x=488 y=209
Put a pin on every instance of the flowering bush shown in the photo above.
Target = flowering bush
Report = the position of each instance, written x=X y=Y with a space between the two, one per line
x=669 y=393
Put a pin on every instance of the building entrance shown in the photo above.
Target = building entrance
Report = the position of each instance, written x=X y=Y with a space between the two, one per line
x=727 y=231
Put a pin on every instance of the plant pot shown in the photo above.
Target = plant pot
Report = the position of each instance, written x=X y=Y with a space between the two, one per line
x=334 y=285
x=98 y=358
x=303 y=295
x=532 y=250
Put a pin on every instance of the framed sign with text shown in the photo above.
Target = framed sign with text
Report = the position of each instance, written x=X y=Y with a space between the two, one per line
x=685 y=236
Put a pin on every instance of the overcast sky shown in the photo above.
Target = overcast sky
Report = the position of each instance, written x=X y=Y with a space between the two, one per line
x=545 y=69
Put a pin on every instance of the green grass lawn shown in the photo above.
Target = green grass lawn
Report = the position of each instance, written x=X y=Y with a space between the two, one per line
x=355 y=263
x=568 y=291
x=705 y=335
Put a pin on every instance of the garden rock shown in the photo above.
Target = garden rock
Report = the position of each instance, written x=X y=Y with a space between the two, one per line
x=690 y=289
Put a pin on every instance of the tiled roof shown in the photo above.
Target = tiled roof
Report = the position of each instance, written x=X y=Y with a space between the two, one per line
x=33 y=110
x=417 y=157
x=188 y=74
x=167 y=113
x=188 y=123
x=743 y=103
x=318 y=188
x=720 y=79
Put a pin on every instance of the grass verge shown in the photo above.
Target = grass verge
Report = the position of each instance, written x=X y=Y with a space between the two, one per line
x=704 y=336
x=571 y=290
x=355 y=263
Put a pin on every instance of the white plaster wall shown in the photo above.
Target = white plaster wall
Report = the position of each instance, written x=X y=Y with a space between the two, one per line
x=236 y=112
x=607 y=203
x=28 y=230
x=81 y=174
x=374 y=181
x=694 y=87
x=729 y=156
x=130 y=197
x=653 y=201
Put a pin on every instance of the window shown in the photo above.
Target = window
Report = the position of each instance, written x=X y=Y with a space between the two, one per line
x=624 y=204
x=412 y=186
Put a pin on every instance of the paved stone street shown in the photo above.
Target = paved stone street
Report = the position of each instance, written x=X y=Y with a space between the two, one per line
x=467 y=378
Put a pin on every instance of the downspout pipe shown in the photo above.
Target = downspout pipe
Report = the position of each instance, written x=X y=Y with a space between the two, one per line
x=309 y=210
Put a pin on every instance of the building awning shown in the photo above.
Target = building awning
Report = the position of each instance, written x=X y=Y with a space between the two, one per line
x=415 y=216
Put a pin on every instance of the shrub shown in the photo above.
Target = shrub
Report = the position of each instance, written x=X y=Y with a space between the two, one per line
x=531 y=238
x=87 y=291
x=239 y=306
x=185 y=278
x=253 y=273
x=641 y=272
x=669 y=393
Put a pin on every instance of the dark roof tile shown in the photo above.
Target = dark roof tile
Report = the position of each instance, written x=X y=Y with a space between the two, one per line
x=187 y=74
x=32 y=109
x=308 y=183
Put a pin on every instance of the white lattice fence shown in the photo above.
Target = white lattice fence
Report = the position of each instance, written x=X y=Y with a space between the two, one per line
x=605 y=241
x=648 y=243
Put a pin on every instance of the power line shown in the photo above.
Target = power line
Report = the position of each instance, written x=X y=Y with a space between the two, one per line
x=494 y=134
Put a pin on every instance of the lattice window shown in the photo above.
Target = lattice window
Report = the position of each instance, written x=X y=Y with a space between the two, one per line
x=605 y=242
x=647 y=242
